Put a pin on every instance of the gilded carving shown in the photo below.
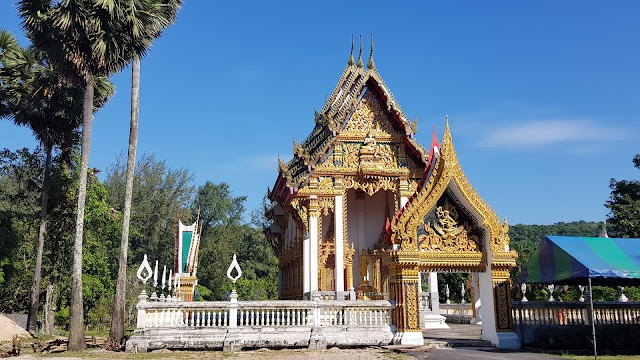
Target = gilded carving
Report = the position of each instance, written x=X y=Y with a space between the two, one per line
x=302 y=211
x=325 y=204
x=446 y=235
x=350 y=156
x=325 y=183
x=369 y=117
x=502 y=307
x=370 y=185
x=412 y=308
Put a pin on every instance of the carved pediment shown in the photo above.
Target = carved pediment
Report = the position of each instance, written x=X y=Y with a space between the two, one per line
x=447 y=228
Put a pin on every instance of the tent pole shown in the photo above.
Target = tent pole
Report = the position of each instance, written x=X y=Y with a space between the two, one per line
x=593 y=321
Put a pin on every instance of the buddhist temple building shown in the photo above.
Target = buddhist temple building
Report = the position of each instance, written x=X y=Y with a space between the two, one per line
x=185 y=260
x=362 y=206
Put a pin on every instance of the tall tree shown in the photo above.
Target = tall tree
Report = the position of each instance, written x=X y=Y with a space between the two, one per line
x=624 y=204
x=159 y=192
x=36 y=96
x=147 y=23
x=85 y=39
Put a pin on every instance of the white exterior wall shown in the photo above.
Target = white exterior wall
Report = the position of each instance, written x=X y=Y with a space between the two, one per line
x=365 y=223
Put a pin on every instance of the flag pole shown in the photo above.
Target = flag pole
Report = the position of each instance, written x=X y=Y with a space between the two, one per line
x=593 y=321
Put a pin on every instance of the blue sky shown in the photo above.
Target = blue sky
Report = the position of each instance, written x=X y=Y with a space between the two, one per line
x=543 y=97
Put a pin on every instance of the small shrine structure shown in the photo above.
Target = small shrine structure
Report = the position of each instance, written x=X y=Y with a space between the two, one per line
x=185 y=259
x=362 y=206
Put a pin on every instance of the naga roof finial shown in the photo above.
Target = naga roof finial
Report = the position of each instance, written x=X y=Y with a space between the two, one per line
x=360 y=63
x=371 y=64
x=351 y=62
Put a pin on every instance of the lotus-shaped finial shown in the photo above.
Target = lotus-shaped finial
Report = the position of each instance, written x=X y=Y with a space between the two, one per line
x=234 y=265
x=144 y=271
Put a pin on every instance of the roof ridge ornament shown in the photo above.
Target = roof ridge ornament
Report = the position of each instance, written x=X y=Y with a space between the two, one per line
x=371 y=64
x=360 y=64
x=351 y=61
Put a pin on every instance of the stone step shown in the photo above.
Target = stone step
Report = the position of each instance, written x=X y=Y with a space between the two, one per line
x=442 y=343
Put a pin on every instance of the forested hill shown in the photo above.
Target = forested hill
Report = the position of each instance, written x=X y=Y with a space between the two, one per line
x=525 y=238
x=536 y=233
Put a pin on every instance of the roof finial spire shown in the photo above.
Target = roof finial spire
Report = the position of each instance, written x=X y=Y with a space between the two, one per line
x=351 y=62
x=360 y=63
x=371 y=64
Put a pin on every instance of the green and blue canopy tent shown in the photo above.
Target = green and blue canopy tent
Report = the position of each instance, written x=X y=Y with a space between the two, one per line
x=584 y=261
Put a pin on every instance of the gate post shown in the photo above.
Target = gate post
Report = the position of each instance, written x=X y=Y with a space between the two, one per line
x=403 y=283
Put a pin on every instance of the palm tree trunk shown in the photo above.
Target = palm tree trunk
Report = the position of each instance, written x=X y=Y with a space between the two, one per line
x=32 y=318
x=117 y=317
x=76 y=311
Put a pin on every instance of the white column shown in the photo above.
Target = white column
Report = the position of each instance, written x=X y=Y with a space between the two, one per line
x=339 y=256
x=313 y=247
x=486 y=297
x=306 y=286
x=433 y=291
x=403 y=201
x=477 y=302
x=360 y=240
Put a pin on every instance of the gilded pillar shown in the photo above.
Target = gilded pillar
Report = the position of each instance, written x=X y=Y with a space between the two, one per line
x=502 y=298
x=403 y=279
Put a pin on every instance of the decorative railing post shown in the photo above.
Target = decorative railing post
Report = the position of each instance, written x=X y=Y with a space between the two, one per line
x=623 y=297
x=550 y=287
x=447 y=293
x=523 y=288
x=154 y=295
x=144 y=274
x=316 y=308
x=233 y=297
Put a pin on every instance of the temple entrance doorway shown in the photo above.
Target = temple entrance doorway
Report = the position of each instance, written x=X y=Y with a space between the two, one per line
x=449 y=298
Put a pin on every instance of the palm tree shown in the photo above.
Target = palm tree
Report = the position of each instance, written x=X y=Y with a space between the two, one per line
x=147 y=24
x=85 y=39
x=35 y=95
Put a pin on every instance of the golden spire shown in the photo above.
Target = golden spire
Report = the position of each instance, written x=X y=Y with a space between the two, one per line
x=360 y=64
x=371 y=64
x=446 y=137
x=351 y=62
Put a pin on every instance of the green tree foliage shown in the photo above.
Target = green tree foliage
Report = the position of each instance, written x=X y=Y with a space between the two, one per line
x=223 y=235
x=624 y=204
x=159 y=194
x=455 y=281
x=20 y=182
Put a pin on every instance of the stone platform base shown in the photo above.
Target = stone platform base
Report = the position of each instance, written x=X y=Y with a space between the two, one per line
x=236 y=339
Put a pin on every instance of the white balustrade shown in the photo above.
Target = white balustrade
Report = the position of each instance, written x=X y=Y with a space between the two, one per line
x=286 y=313
x=575 y=313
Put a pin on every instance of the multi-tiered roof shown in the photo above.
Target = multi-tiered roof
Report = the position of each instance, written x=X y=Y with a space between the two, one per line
x=355 y=80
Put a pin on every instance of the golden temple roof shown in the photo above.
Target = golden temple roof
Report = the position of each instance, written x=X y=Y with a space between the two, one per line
x=354 y=81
